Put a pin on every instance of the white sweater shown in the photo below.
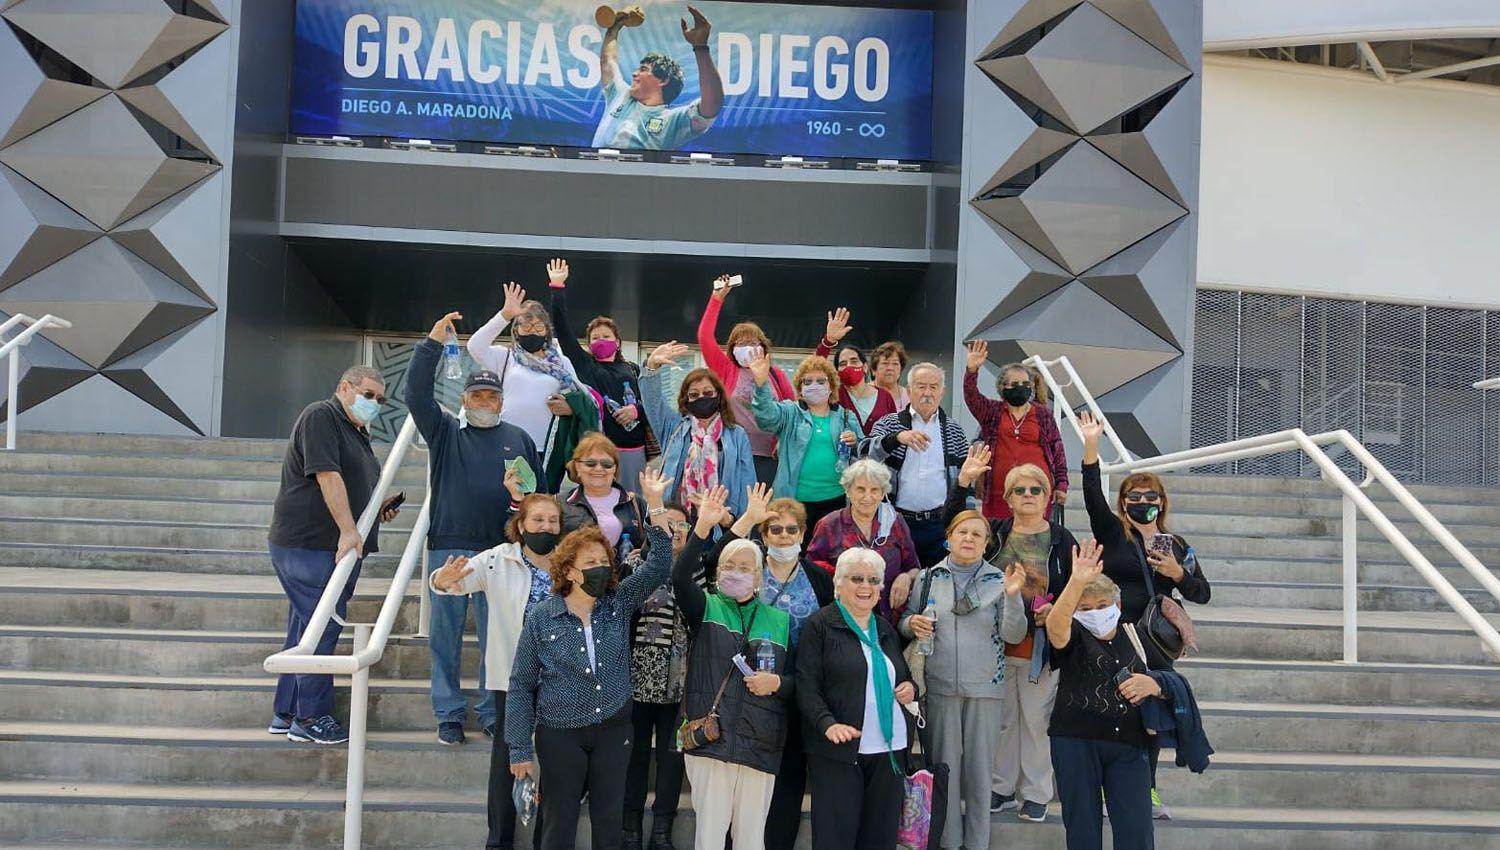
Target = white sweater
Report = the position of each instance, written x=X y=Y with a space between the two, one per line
x=506 y=580
x=526 y=390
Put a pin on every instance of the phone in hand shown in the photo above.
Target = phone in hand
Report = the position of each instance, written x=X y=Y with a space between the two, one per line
x=1160 y=544
x=1123 y=676
x=393 y=502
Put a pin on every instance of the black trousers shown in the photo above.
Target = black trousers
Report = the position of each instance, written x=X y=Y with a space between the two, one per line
x=928 y=536
x=855 y=806
x=765 y=469
x=573 y=761
x=818 y=510
x=659 y=720
x=1085 y=767
x=784 y=819
x=502 y=807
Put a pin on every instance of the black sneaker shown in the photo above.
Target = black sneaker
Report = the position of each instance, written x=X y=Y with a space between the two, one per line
x=1002 y=803
x=1034 y=812
x=324 y=730
x=280 y=724
x=450 y=733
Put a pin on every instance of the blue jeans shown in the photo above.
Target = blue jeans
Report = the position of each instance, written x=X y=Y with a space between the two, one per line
x=304 y=573
x=1083 y=767
x=445 y=641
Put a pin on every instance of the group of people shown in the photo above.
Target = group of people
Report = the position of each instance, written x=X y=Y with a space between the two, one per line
x=756 y=583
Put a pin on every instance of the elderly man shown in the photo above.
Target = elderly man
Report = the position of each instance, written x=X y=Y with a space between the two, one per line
x=328 y=476
x=470 y=505
x=924 y=449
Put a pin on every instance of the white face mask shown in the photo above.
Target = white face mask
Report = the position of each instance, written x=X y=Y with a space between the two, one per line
x=482 y=418
x=1100 y=621
x=743 y=354
x=784 y=554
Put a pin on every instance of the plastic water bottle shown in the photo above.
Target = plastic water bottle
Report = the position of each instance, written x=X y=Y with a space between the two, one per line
x=846 y=456
x=629 y=400
x=626 y=548
x=924 y=645
x=765 y=657
x=452 y=368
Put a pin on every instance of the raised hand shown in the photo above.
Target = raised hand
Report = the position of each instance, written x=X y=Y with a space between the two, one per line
x=654 y=486
x=838 y=325
x=512 y=482
x=452 y=574
x=557 y=272
x=721 y=287
x=698 y=35
x=976 y=464
x=1092 y=427
x=757 y=500
x=1015 y=579
x=515 y=298
x=712 y=510
x=760 y=369
x=444 y=327
x=1087 y=565
x=666 y=353
x=979 y=351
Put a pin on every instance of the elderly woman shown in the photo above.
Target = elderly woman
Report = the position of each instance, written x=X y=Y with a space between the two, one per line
x=599 y=499
x=732 y=365
x=1098 y=737
x=568 y=707
x=851 y=686
x=816 y=437
x=799 y=588
x=513 y=577
x=535 y=377
x=1023 y=764
x=703 y=443
x=732 y=776
x=977 y=610
x=888 y=364
x=1018 y=429
x=871 y=523
x=1140 y=555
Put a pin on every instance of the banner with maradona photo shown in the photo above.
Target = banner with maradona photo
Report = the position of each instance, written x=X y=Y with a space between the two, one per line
x=717 y=76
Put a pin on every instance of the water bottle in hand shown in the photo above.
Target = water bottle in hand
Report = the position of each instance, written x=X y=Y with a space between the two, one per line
x=629 y=400
x=452 y=368
x=846 y=457
x=924 y=645
x=626 y=549
x=765 y=657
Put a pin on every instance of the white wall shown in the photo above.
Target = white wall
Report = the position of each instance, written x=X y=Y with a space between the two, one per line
x=1327 y=181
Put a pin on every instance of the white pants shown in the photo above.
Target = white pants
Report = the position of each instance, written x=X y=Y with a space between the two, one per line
x=726 y=795
x=1023 y=763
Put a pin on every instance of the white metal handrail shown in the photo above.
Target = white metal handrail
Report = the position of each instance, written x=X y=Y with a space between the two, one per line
x=13 y=348
x=1074 y=381
x=1355 y=502
x=1488 y=384
x=369 y=639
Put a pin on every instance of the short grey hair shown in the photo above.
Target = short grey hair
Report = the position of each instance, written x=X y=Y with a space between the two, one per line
x=359 y=373
x=740 y=544
x=856 y=556
x=532 y=311
x=912 y=372
x=873 y=470
x=1102 y=585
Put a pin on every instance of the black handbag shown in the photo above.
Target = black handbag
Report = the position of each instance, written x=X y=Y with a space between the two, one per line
x=1162 y=632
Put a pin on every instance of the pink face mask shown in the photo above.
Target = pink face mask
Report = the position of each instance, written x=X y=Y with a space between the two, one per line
x=603 y=349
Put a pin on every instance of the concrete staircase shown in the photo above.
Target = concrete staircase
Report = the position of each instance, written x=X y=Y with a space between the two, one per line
x=137 y=603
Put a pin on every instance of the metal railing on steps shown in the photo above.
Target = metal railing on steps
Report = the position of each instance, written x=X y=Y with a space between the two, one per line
x=13 y=348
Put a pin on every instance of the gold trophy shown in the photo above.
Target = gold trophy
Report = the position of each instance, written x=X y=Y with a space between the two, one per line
x=604 y=16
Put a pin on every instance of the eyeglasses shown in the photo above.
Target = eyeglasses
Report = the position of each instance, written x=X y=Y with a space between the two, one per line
x=872 y=581
x=682 y=526
x=694 y=395
x=810 y=381
x=1143 y=496
x=1009 y=385
x=783 y=529
x=604 y=462
x=1035 y=490
x=372 y=395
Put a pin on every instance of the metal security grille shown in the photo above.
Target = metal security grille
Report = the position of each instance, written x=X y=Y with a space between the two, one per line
x=1397 y=376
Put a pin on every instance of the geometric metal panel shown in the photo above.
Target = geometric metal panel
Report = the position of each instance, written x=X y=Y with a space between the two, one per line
x=1021 y=275
x=181 y=103
x=46 y=371
x=1041 y=144
x=28 y=100
x=140 y=373
x=101 y=162
x=38 y=230
x=168 y=236
x=1145 y=281
x=1134 y=15
x=115 y=44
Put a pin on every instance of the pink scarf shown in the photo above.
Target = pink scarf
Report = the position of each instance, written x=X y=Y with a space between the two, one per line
x=700 y=469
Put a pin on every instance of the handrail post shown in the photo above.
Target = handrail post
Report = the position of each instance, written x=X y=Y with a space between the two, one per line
x=1351 y=580
x=12 y=392
x=424 y=613
x=359 y=708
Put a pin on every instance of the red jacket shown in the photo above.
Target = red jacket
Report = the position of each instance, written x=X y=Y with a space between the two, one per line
x=884 y=402
x=723 y=365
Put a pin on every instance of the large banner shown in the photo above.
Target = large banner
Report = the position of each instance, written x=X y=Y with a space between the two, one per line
x=722 y=76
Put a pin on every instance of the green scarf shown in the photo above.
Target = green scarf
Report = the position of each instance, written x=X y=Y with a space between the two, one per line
x=885 y=691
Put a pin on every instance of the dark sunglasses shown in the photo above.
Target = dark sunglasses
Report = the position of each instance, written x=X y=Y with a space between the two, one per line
x=694 y=396
x=872 y=581
x=1035 y=490
x=371 y=394
x=1143 y=496
x=783 y=529
x=593 y=462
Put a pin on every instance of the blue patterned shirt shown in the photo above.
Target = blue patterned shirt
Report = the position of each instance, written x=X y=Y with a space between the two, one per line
x=552 y=678
x=541 y=584
x=799 y=601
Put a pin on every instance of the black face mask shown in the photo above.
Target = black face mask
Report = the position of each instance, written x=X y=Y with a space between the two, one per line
x=703 y=406
x=540 y=542
x=1142 y=512
x=1016 y=396
x=595 y=581
x=531 y=343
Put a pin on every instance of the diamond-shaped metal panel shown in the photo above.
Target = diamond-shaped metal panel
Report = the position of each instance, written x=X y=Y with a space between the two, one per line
x=1020 y=275
x=116 y=43
x=1145 y=282
x=1083 y=209
x=181 y=103
x=169 y=236
x=1135 y=15
x=101 y=162
x=28 y=100
x=142 y=374
x=46 y=371
x=1041 y=144
x=1087 y=69
x=38 y=230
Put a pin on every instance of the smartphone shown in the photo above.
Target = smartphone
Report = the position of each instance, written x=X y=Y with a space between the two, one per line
x=394 y=502
x=1161 y=544
x=1123 y=676
x=1040 y=601
x=739 y=661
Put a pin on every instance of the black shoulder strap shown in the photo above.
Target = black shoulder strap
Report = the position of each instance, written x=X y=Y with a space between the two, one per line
x=1140 y=555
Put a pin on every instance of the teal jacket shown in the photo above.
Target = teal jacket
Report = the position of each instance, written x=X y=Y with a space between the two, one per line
x=791 y=422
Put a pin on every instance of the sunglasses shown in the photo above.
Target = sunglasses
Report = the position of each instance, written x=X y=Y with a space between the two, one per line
x=372 y=395
x=783 y=529
x=606 y=463
x=694 y=396
x=1035 y=490
x=872 y=581
x=1143 y=496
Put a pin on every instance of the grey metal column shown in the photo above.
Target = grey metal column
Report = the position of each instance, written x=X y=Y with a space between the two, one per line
x=1080 y=168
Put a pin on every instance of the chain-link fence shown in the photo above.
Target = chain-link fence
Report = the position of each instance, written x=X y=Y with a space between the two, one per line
x=1397 y=376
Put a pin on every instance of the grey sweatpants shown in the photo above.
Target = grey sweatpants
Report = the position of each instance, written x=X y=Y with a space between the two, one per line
x=965 y=736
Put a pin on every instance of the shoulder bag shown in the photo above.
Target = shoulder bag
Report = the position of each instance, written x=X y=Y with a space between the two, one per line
x=1162 y=615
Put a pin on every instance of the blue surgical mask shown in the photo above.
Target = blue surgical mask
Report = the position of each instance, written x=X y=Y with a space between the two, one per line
x=364 y=409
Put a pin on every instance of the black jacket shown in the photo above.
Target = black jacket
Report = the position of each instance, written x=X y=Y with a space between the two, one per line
x=577 y=512
x=831 y=680
x=752 y=728
x=820 y=579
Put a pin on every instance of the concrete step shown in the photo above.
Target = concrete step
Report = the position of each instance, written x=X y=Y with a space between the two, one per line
x=1327 y=507
x=1334 y=682
x=246 y=562
x=1311 y=635
x=1373 y=569
x=97 y=484
x=1239 y=522
x=224 y=514
x=1306 y=780
x=167 y=535
x=44 y=441
x=171 y=466
x=1329 y=596
x=1260 y=485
